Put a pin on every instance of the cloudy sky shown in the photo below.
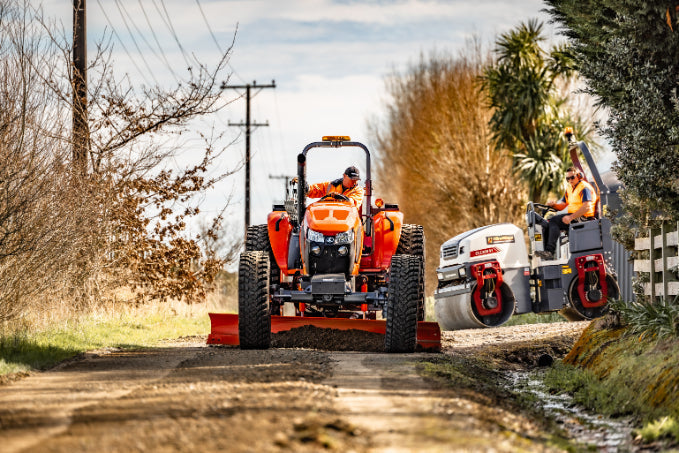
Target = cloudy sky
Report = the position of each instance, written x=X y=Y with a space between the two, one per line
x=329 y=59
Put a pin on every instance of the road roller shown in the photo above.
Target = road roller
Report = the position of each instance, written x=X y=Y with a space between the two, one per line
x=488 y=274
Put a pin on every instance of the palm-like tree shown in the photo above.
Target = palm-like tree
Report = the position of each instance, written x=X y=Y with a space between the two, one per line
x=527 y=121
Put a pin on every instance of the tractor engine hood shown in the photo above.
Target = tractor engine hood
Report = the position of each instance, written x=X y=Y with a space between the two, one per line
x=333 y=239
x=331 y=218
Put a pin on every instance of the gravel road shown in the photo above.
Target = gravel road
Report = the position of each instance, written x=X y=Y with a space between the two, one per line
x=186 y=396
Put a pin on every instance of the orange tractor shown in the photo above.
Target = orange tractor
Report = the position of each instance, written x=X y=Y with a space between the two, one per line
x=331 y=265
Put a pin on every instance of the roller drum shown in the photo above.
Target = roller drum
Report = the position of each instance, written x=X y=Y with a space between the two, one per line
x=456 y=311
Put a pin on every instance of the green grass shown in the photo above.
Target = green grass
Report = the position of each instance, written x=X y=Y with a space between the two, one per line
x=26 y=351
x=534 y=318
x=666 y=427
x=659 y=319
x=590 y=391
x=618 y=372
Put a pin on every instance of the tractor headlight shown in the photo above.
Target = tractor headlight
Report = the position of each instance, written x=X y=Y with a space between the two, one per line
x=343 y=250
x=315 y=250
x=346 y=237
x=314 y=236
x=462 y=272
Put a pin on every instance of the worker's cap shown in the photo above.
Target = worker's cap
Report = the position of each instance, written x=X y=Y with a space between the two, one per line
x=352 y=172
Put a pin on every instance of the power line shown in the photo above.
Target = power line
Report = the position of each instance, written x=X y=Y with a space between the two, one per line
x=207 y=24
x=214 y=39
x=168 y=22
x=121 y=9
x=122 y=43
x=134 y=41
x=155 y=38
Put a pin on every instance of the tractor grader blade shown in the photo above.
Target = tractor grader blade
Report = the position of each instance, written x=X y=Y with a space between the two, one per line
x=224 y=328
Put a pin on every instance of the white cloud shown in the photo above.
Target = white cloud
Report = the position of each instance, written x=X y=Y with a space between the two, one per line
x=328 y=58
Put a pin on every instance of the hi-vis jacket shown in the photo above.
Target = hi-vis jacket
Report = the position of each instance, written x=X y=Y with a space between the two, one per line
x=355 y=194
x=575 y=197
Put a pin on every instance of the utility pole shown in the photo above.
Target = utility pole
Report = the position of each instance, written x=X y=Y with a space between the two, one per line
x=248 y=125
x=287 y=179
x=81 y=133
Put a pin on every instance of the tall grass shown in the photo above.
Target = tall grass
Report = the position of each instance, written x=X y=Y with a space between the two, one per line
x=25 y=349
x=659 y=319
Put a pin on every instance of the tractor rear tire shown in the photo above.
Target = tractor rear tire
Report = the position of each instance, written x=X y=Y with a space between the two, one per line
x=254 y=316
x=257 y=240
x=402 y=304
x=412 y=242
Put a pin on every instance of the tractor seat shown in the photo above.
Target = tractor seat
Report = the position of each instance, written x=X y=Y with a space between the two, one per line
x=563 y=236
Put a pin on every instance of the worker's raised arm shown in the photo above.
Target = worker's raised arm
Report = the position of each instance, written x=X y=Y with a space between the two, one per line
x=317 y=190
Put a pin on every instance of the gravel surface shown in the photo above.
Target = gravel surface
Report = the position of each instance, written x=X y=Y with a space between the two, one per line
x=186 y=396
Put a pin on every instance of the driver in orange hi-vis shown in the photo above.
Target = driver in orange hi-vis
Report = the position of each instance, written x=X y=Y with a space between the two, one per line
x=347 y=185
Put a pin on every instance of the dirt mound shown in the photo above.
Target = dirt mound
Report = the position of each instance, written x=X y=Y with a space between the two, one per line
x=329 y=339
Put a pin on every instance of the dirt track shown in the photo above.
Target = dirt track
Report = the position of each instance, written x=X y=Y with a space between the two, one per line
x=186 y=396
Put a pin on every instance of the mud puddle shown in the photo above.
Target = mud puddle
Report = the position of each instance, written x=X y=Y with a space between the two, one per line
x=597 y=432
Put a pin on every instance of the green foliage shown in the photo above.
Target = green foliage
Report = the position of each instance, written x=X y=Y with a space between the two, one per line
x=529 y=114
x=628 y=52
x=589 y=391
x=534 y=318
x=637 y=216
x=659 y=319
x=618 y=372
x=665 y=427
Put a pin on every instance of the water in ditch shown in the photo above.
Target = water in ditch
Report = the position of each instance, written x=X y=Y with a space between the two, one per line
x=600 y=433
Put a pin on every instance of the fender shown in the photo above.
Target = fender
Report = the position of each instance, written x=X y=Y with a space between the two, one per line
x=386 y=234
x=280 y=228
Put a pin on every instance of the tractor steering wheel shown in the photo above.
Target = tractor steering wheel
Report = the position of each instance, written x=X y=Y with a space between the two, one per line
x=335 y=196
x=545 y=209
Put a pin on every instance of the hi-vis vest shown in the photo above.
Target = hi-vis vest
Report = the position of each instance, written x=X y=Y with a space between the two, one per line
x=355 y=193
x=574 y=198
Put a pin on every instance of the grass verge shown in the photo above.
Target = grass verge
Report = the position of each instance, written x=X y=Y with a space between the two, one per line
x=616 y=372
x=23 y=351
x=478 y=379
x=534 y=318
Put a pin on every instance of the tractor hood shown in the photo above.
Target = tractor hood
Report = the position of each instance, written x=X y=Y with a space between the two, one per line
x=331 y=217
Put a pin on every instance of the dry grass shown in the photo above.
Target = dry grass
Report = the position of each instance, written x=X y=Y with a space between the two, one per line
x=42 y=343
x=435 y=155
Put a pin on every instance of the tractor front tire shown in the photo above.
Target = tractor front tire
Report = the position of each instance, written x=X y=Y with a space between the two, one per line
x=254 y=317
x=257 y=240
x=402 y=304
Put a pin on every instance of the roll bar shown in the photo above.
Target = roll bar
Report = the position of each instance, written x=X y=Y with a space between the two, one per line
x=301 y=173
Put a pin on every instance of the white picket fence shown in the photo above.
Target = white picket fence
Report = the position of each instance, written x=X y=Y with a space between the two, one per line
x=663 y=265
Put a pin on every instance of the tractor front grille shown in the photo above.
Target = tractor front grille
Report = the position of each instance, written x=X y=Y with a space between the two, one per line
x=329 y=261
x=449 y=251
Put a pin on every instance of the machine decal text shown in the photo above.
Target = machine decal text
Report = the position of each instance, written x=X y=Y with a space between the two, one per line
x=503 y=239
